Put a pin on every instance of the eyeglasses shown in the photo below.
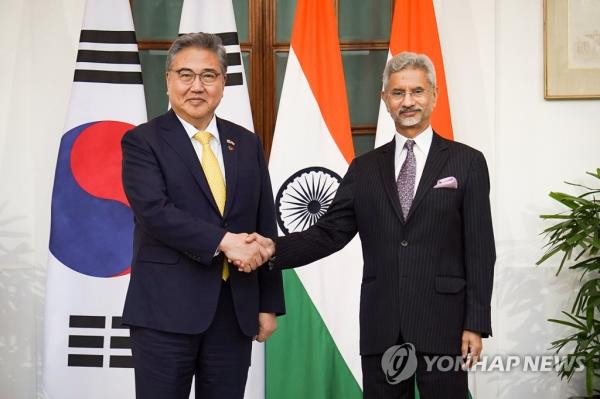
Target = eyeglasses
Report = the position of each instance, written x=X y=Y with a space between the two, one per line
x=187 y=76
x=416 y=93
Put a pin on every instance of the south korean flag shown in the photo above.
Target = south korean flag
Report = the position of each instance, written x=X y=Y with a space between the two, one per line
x=87 y=351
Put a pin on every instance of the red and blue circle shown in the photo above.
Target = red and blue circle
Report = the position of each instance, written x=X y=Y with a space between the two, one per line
x=92 y=223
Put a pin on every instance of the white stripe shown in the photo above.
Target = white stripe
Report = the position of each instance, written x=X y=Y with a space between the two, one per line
x=88 y=330
x=108 y=46
x=97 y=66
x=302 y=140
x=119 y=352
x=233 y=48
x=89 y=351
x=235 y=68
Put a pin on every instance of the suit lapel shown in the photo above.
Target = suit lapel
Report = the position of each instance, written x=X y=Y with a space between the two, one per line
x=229 y=139
x=175 y=135
x=436 y=159
x=386 y=169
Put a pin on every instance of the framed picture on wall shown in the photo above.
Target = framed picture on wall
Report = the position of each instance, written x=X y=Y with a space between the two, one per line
x=571 y=49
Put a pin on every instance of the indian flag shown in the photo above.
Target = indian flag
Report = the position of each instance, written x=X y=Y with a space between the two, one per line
x=315 y=352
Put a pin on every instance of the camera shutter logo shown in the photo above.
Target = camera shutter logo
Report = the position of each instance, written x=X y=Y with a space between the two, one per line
x=399 y=363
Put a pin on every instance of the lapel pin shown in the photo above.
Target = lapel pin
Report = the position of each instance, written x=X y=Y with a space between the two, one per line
x=230 y=145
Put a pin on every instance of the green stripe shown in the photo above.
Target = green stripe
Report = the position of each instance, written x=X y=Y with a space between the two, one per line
x=302 y=360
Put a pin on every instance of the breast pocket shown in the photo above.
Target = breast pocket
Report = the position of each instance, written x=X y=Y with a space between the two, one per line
x=449 y=284
x=445 y=198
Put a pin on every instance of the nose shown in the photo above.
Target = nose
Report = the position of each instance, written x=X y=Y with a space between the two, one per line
x=197 y=84
x=408 y=100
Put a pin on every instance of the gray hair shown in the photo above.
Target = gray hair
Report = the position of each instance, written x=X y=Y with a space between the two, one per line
x=207 y=41
x=406 y=60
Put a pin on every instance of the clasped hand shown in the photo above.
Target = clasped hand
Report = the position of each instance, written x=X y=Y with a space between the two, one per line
x=247 y=251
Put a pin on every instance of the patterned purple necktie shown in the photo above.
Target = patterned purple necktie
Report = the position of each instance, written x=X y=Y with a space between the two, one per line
x=406 y=178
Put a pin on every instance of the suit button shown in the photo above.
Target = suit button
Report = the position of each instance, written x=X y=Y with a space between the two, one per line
x=404 y=243
x=225 y=224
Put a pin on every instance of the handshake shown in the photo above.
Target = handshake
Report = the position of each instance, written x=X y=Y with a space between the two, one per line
x=247 y=251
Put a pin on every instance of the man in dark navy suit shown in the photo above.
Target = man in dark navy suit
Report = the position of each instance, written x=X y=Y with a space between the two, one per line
x=421 y=206
x=196 y=184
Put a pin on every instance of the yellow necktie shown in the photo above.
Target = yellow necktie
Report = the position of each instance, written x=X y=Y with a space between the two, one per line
x=213 y=174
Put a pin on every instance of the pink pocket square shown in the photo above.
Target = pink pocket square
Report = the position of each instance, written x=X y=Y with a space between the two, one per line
x=447 y=182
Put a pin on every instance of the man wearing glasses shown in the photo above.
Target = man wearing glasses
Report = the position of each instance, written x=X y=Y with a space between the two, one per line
x=196 y=183
x=421 y=206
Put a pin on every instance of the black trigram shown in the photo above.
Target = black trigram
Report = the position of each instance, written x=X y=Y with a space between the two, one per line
x=94 y=342
x=108 y=57
x=234 y=58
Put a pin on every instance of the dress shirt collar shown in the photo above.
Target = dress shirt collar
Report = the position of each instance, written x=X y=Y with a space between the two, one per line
x=422 y=141
x=191 y=130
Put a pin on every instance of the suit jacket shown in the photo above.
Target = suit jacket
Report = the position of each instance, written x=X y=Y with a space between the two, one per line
x=175 y=276
x=426 y=278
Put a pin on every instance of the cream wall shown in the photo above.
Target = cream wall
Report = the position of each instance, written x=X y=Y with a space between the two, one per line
x=494 y=65
x=539 y=144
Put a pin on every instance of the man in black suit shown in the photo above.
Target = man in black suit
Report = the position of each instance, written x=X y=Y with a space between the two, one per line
x=196 y=183
x=421 y=206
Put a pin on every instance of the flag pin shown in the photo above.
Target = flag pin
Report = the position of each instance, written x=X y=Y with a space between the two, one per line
x=230 y=145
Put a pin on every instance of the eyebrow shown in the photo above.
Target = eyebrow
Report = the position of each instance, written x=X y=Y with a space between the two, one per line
x=414 y=88
x=202 y=71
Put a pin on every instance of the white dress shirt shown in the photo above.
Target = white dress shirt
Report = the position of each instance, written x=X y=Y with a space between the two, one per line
x=215 y=144
x=421 y=150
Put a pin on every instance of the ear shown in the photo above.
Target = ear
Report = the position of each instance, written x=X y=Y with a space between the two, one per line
x=384 y=98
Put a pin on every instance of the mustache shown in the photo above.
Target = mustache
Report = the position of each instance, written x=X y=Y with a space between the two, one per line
x=411 y=109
